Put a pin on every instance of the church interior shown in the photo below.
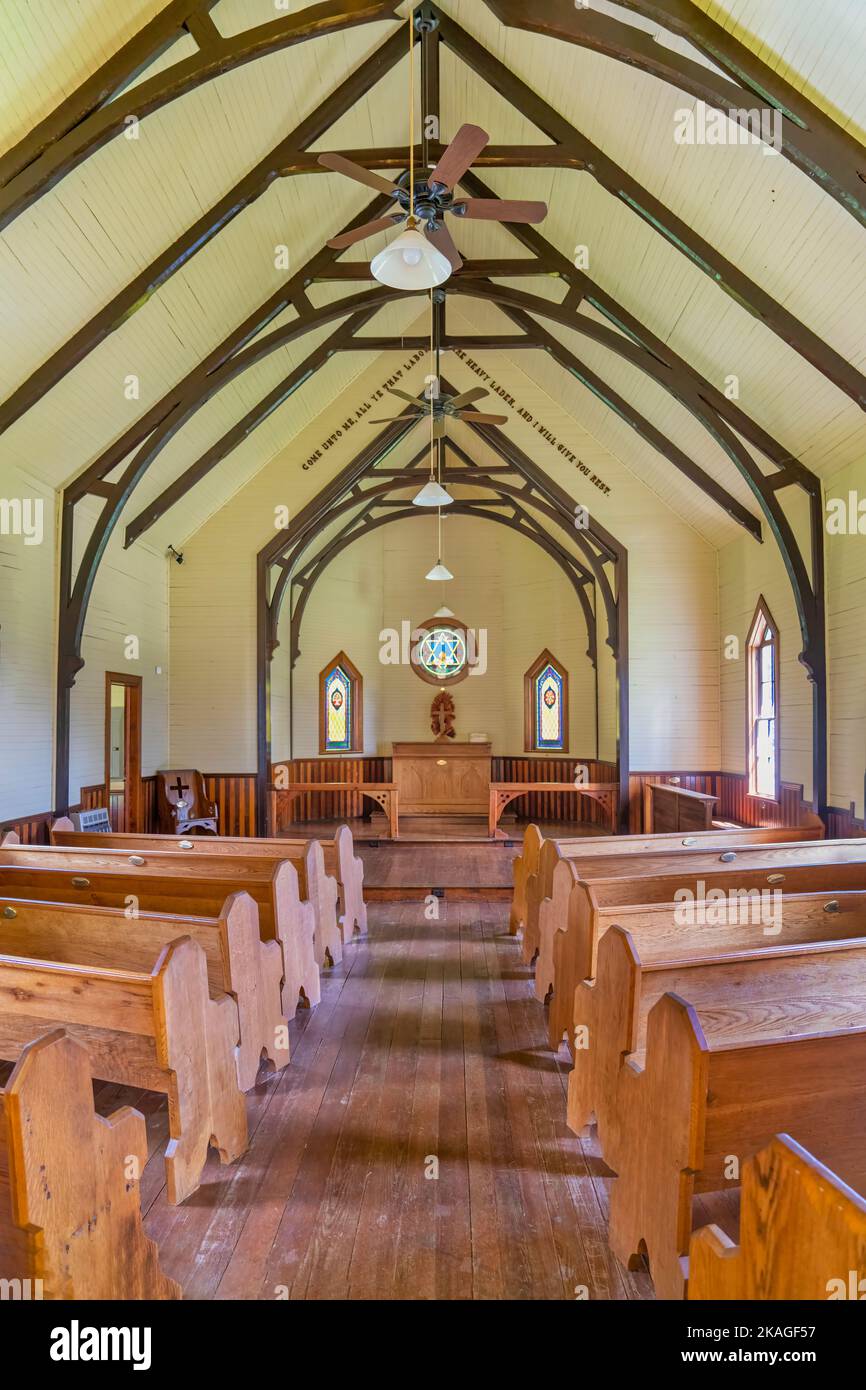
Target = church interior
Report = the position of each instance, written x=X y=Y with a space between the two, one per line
x=432 y=650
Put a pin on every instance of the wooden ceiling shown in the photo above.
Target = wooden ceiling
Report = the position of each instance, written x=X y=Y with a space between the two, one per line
x=721 y=260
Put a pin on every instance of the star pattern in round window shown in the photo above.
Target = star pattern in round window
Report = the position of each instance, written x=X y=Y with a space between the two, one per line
x=442 y=652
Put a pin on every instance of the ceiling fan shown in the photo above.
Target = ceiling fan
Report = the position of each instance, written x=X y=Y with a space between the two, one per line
x=433 y=197
x=445 y=408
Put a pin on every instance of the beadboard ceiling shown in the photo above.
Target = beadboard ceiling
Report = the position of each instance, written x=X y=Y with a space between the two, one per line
x=70 y=253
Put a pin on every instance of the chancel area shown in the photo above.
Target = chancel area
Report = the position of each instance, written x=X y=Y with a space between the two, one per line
x=432 y=651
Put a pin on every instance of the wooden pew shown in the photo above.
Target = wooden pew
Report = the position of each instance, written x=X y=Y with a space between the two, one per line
x=538 y=885
x=670 y=807
x=802 y=1235
x=153 y=1025
x=339 y=862
x=70 y=1217
x=766 y=1044
x=239 y=963
x=166 y=882
x=635 y=968
x=644 y=866
x=578 y=912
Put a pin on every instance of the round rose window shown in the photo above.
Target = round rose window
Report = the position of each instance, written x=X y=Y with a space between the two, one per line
x=442 y=652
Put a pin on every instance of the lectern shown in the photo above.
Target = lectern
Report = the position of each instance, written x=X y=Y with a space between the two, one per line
x=442 y=779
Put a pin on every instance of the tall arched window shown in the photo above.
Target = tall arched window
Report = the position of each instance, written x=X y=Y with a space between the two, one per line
x=763 y=710
x=341 y=723
x=545 y=701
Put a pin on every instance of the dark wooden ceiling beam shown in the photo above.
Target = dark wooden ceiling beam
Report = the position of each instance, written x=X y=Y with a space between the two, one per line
x=282 y=392
x=639 y=423
x=494 y=268
x=251 y=187
x=41 y=162
x=811 y=139
x=683 y=237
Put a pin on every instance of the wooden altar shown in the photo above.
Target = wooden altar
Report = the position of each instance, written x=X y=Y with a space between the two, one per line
x=442 y=779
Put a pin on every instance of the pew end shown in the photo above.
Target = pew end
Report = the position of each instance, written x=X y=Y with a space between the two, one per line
x=802 y=1234
x=75 y=1226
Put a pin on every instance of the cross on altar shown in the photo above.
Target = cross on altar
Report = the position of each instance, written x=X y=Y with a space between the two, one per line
x=180 y=787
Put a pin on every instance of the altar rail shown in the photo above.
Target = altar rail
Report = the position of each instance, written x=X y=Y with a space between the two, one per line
x=235 y=794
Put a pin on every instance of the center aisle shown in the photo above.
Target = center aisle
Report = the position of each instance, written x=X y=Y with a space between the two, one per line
x=428 y=1049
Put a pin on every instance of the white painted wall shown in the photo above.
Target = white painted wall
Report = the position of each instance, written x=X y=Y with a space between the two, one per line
x=503 y=584
x=748 y=570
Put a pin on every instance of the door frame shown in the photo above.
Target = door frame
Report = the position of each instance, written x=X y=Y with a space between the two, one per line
x=132 y=712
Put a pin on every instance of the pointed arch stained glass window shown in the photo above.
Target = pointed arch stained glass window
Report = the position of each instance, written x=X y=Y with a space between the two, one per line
x=338 y=711
x=546 y=706
x=548 y=709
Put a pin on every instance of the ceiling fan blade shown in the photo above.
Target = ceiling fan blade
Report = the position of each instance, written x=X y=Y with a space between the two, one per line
x=467 y=397
x=444 y=242
x=466 y=146
x=404 y=396
x=396 y=420
x=504 y=210
x=472 y=419
x=382 y=224
x=341 y=165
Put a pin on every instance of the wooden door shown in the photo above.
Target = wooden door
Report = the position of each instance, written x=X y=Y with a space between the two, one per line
x=123 y=750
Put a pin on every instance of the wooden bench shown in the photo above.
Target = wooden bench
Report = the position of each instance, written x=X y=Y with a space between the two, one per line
x=526 y=865
x=604 y=794
x=575 y=917
x=339 y=862
x=802 y=1235
x=656 y=956
x=386 y=795
x=239 y=963
x=70 y=1216
x=668 y=807
x=154 y=1025
x=168 y=882
x=675 y=859
x=766 y=1045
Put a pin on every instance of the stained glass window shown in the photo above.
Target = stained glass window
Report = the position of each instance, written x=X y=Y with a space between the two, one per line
x=340 y=694
x=547 y=706
x=442 y=652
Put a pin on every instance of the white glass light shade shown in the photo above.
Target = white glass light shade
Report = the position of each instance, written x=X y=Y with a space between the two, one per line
x=410 y=263
x=439 y=571
x=432 y=495
x=443 y=612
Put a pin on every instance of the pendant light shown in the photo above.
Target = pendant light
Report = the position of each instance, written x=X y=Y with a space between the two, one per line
x=433 y=493
x=410 y=262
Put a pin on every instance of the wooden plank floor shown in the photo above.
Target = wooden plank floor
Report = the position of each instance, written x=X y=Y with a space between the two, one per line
x=415 y=1147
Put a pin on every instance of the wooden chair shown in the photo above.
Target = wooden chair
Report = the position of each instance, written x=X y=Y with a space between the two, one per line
x=768 y=1045
x=802 y=1235
x=70 y=1216
x=168 y=882
x=183 y=805
x=155 y=1027
x=239 y=963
